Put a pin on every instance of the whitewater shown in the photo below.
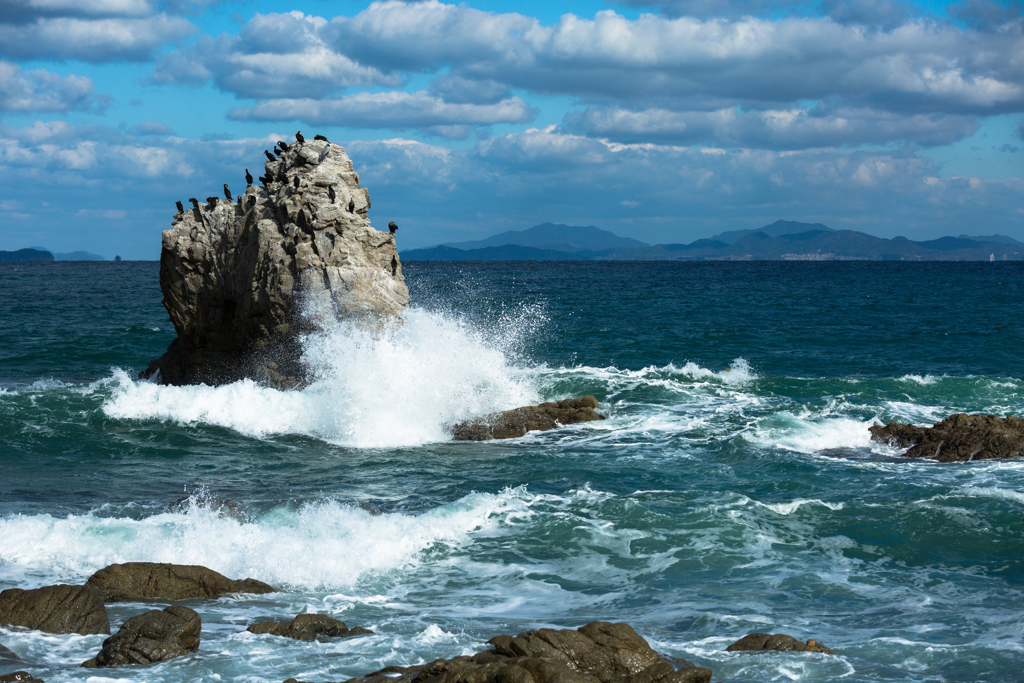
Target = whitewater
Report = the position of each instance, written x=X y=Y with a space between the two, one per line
x=733 y=487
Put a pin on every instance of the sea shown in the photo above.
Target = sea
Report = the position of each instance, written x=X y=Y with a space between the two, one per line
x=732 y=489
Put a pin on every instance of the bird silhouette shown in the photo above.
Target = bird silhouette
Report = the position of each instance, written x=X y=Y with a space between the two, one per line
x=320 y=137
x=195 y=202
x=264 y=181
x=212 y=201
x=281 y=177
x=180 y=207
x=295 y=182
x=248 y=177
x=331 y=194
x=270 y=156
x=282 y=145
x=227 y=192
x=299 y=138
x=252 y=202
x=351 y=206
x=277 y=152
x=392 y=227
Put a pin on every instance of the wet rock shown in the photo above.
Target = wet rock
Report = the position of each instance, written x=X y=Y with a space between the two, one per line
x=517 y=422
x=764 y=642
x=599 y=652
x=222 y=506
x=308 y=627
x=55 y=609
x=7 y=655
x=157 y=581
x=958 y=438
x=20 y=677
x=236 y=276
x=155 y=636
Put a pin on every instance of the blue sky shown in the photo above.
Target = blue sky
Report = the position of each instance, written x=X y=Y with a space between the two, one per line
x=662 y=120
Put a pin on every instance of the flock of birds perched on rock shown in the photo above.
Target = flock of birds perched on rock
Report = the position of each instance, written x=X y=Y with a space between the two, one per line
x=279 y=148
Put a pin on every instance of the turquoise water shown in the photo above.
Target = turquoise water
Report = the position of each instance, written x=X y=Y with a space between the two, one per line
x=732 y=489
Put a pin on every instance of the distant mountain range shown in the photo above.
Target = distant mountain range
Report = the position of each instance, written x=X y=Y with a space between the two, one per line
x=72 y=256
x=44 y=254
x=780 y=241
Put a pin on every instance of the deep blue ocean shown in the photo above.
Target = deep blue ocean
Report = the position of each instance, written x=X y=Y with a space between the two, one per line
x=733 y=488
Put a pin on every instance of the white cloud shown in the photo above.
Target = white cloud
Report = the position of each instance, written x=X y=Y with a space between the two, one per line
x=40 y=90
x=91 y=39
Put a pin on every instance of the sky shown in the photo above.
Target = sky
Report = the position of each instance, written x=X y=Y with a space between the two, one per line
x=662 y=120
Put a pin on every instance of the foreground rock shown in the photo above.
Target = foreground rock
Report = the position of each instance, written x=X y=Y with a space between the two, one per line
x=308 y=627
x=152 y=637
x=235 y=274
x=764 y=642
x=513 y=423
x=55 y=609
x=20 y=677
x=599 y=652
x=156 y=581
x=958 y=438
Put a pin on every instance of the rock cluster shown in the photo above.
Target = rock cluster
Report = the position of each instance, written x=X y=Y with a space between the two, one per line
x=152 y=580
x=958 y=438
x=764 y=642
x=308 y=627
x=517 y=422
x=235 y=274
x=20 y=677
x=55 y=609
x=155 y=636
x=599 y=652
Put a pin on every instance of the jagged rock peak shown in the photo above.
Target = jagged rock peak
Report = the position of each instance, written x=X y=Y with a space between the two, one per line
x=235 y=275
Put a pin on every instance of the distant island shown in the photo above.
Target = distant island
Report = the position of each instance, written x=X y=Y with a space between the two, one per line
x=780 y=241
x=44 y=254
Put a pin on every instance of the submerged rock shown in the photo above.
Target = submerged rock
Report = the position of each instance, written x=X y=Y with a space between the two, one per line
x=55 y=609
x=599 y=652
x=764 y=642
x=958 y=438
x=517 y=422
x=235 y=274
x=155 y=636
x=222 y=506
x=308 y=627
x=157 y=581
x=8 y=654
x=20 y=677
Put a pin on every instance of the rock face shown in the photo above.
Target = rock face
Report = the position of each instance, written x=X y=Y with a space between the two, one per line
x=958 y=438
x=763 y=642
x=151 y=637
x=599 y=652
x=517 y=422
x=308 y=627
x=20 y=677
x=235 y=274
x=155 y=581
x=55 y=609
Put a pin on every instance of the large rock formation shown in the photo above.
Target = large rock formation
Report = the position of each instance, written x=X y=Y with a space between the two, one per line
x=510 y=424
x=958 y=438
x=155 y=636
x=308 y=627
x=55 y=609
x=157 y=581
x=236 y=274
x=599 y=652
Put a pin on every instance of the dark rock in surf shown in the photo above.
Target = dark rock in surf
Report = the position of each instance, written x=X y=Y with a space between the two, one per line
x=780 y=642
x=157 y=581
x=308 y=627
x=55 y=609
x=599 y=652
x=7 y=655
x=513 y=423
x=156 y=636
x=20 y=677
x=958 y=438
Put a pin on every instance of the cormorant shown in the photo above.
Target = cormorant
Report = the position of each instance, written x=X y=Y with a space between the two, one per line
x=181 y=208
x=295 y=182
x=320 y=137
x=299 y=138
x=248 y=177
x=394 y=266
x=392 y=227
x=270 y=156
x=212 y=201
x=195 y=202
x=282 y=178
x=282 y=145
x=264 y=181
x=330 y=193
x=351 y=206
x=277 y=152
x=227 y=192
x=252 y=201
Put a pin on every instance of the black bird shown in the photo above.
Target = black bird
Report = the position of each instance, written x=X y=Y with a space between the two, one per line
x=330 y=193
x=281 y=177
x=300 y=220
x=277 y=152
x=212 y=201
x=392 y=227
x=195 y=202
x=351 y=206
x=299 y=138
x=248 y=177
x=264 y=181
x=270 y=156
x=180 y=207
x=320 y=137
x=282 y=145
x=394 y=266
x=295 y=182
x=227 y=192
x=252 y=202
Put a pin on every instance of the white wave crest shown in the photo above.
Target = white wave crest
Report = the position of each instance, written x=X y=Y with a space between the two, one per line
x=382 y=388
x=793 y=433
